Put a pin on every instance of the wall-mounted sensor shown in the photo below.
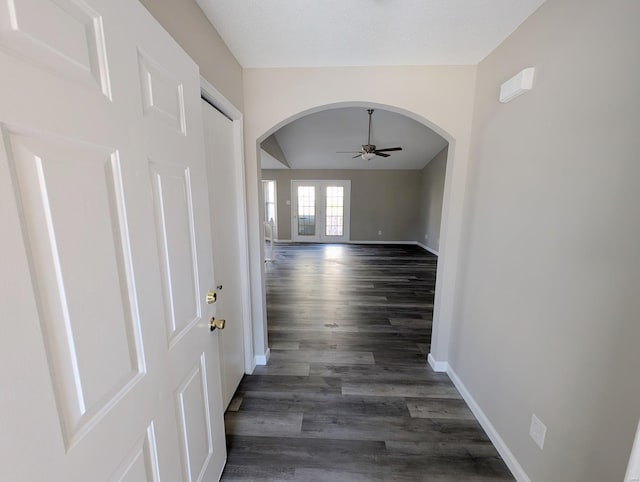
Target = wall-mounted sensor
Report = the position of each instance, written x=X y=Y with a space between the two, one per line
x=517 y=85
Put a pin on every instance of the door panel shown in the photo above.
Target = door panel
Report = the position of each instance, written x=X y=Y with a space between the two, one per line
x=64 y=36
x=170 y=124
x=104 y=205
x=176 y=234
x=227 y=253
x=74 y=214
x=195 y=422
x=162 y=95
x=79 y=389
x=141 y=465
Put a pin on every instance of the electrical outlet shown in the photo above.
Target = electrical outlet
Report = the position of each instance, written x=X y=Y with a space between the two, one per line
x=426 y=236
x=380 y=232
x=288 y=202
x=537 y=431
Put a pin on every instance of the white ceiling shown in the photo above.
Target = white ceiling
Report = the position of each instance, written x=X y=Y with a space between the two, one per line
x=312 y=142
x=313 y=33
x=322 y=33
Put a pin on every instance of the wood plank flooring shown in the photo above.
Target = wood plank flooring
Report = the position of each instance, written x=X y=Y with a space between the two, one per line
x=347 y=394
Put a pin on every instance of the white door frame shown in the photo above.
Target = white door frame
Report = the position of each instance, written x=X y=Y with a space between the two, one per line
x=320 y=236
x=214 y=96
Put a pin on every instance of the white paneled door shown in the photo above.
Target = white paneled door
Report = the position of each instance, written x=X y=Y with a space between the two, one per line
x=225 y=212
x=109 y=369
x=320 y=211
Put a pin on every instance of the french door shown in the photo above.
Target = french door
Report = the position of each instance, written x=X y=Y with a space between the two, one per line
x=320 y=211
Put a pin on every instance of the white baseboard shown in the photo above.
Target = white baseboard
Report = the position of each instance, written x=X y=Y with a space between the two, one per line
x=263 y=359
x=378 y=242
x=415 y=243
x=427 y=248
x=351 y=241
x=508 y=457
x=438 y=366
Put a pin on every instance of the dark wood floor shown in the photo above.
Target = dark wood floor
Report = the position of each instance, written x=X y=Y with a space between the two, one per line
x=347 y=394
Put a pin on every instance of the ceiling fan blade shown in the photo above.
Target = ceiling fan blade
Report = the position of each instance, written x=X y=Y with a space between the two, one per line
x=381 y=154
x=355 y=157
x=348 y=152
x=389 y=149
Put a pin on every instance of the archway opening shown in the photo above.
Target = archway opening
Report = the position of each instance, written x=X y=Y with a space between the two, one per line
x=448 y=140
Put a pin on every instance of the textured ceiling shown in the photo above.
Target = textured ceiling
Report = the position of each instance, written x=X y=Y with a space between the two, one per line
x=313 y=33
x=312 y=142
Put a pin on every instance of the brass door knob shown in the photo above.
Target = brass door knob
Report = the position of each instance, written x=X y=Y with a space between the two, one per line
x=212 y=296
x=219 y=324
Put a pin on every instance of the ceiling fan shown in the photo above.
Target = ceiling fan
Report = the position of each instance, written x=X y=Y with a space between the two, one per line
x=368 y=150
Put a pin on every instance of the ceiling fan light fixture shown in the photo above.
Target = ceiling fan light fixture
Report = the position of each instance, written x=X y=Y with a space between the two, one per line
x=369 y=151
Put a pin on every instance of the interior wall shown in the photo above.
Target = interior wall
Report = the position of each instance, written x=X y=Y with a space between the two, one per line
x=188 y=25
x=550 y=315
x=441 y=97
x=386 y=201
x=431 y=196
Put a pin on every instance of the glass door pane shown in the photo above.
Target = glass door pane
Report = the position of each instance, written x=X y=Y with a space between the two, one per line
x=269 y=200
x=306 y=210
x=334 y=212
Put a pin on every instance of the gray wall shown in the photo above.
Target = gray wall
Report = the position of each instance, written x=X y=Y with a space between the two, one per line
x=187 y=24
x=431 y=195
x=380 y=200
x=550 y=320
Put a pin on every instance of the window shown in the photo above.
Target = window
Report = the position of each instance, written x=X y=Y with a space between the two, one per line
x=334 y=200
x=306 y=210
x=269 y=190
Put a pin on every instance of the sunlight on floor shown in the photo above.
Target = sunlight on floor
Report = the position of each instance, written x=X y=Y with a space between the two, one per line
x=334 y=251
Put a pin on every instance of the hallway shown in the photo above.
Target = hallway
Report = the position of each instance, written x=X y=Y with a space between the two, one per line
x=347 y=394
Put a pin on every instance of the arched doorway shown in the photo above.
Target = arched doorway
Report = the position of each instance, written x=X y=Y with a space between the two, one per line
x=450 y=232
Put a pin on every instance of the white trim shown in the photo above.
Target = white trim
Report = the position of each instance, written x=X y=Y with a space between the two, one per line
x=263 y=359
x=427 y=248
x=213 y=95
x=381 y=242
x=413 y=243
x=351 y=241
x=506 y=454
x=438 y=366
